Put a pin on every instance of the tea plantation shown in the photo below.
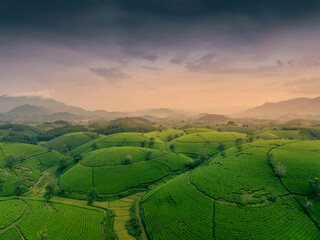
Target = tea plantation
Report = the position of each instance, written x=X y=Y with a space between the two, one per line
x=238 y=196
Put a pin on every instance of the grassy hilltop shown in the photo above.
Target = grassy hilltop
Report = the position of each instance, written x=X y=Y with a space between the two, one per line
x=239 y=196
x=194 y=182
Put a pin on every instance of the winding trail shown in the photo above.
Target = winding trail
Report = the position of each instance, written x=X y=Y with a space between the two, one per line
x=18 y=229
x=143 y=232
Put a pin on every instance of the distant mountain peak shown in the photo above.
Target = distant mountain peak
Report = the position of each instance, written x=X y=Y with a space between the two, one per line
x=305 y=108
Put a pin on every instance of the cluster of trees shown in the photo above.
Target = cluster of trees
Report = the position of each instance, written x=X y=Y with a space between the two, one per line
x=2 y=181
x=62 y=164
x=203 y=157
x=20 y=186
x=19 y=138
x=171 y=137
x=123 y=125
x=127 y=160
x=56 y=132
x=12 y=160
x=315 y=188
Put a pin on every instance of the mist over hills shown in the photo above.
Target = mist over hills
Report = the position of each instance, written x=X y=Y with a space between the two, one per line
x=34 y=109
x=304 y=108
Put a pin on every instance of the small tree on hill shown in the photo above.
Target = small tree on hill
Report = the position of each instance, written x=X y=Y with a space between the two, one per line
x=280 y=170
x=315 y=188
x=49 y=191
x=172 y=146
x=62 y=164
x=143 y=143
x=42 y=235
x=151 y=143
x=239 y=143
x=221 y=146
x=169 y=138
x=249 y=137
x=308 y=206
x=92 y=196
x=65 y=148
x=11 y=160
x=2 y=181
x=271 y=159
x=127 y=160
x=148 y=155
x=76 y=157
x=94 y=146
x=231 y=123
x=20 y=186
x=203 y=156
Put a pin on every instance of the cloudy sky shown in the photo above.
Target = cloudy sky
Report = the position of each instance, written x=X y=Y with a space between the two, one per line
x=209 y=55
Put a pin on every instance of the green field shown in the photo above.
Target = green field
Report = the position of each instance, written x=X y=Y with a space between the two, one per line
x=236 y=194
x=57 y=220
x=280 y=134
x=120 y=139
x=233 y=193
x=195 y=143
x=71 y=140
x=104 y=169
x=31 y=162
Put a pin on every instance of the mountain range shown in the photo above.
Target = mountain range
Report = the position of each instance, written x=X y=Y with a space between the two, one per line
x=33 y=110
x=297 y=108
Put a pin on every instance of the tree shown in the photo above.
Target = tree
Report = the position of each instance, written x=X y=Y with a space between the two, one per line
x=42 y=235
x=315 y=188
x=2 y=181
x=238 y=143
x=76 y=157
x=204 y=155
x=49 y=191
x=62 y=164
x=92 y=196
x=151 y=143
x=10 y=161
x=169 y=138
x=127 y=160
x=149 y=155
x=308 y=206
x=221 y=146
x=94 y=146
x=249 y=137
x=231 y=123
x=20 y=186
x=172 y=147
x=65 y=148
x=280 y=170
x=271 y=159
x=143 y=143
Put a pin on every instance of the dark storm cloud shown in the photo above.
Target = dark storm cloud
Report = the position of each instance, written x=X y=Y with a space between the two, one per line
x=212 y=63
x=179 y=59
x=112 y=75
x=134 y=21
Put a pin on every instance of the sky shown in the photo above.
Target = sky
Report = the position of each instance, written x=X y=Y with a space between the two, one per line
x=218 y=56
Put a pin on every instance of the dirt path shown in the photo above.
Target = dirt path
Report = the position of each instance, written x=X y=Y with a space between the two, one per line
x=13 y=224
x=121 y=209
x=143 y=232
x=22 y=237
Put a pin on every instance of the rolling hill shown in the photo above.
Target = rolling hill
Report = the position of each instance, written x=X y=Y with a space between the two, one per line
x=106 y=169
x=71 y=140
x=204 y=140
x=239 y=196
